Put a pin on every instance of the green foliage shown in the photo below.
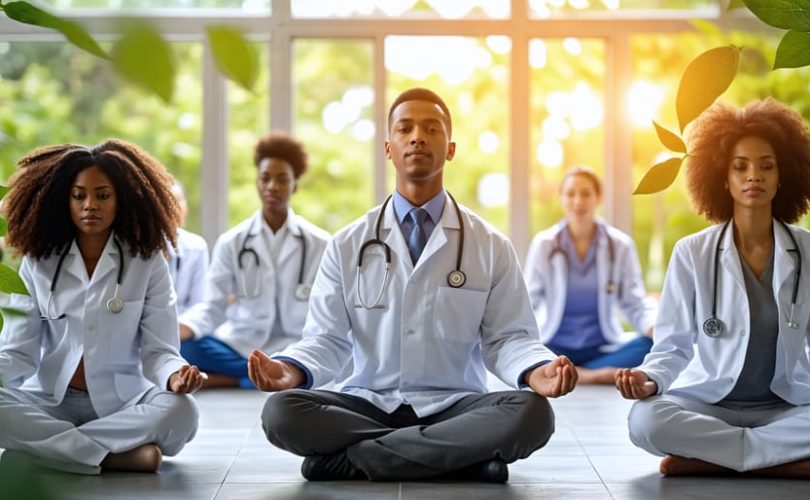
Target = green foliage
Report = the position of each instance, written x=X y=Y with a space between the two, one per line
x=233 y=55
x=660 y=176
x=793 y=51
x=143 y=57
x=704 y=80
x=785 y=14
x=26 y=13
x=671 y=141
x=735 y=4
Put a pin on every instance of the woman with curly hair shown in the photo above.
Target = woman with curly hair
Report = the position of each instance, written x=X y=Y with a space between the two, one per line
x=93 y=377
x=726 y=387
x=257 y=287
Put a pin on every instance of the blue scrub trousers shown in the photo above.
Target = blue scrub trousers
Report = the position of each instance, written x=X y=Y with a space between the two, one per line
x=629 y=355
x=212 y=355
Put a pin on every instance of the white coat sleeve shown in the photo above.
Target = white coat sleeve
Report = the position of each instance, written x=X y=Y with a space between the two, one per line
x=633 y=295
x=510 y=340
x=676 y=327
x=160 y=342
x=325 y=347
x=205 y=316
x=21 y=337
x=535 y=270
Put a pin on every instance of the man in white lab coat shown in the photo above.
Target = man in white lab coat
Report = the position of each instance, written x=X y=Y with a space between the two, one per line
x=267 y=262
x=421 y=294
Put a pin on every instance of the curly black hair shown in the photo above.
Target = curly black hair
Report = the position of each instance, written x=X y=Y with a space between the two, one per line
x=37 y=205
x=278 y=144
x=711 y=142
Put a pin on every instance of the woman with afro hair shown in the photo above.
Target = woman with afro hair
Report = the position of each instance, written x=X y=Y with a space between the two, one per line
x=726 y=387
x=257 y=288
x=93 y=377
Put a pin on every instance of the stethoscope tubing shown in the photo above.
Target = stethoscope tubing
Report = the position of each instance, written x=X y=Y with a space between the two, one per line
x=248 y=250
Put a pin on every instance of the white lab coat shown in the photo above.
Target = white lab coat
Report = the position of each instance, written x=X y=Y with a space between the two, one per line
x=249 y=322
x=188 y=264
x=125 y=354
x=430 y=343
x=547 y=281
x=686 y=362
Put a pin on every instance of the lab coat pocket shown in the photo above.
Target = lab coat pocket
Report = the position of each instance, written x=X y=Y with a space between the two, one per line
x=458 y=312
x=122 y=331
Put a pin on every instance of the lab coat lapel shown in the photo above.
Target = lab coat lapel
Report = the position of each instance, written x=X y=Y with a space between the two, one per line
x=730 y=259
x=74 y=264
x=391 y=234
x=438 y=238
x=784 y=259
x=292 y=243
x=109 y=261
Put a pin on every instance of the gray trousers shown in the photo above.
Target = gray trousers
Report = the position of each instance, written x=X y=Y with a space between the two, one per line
x=508 y=425
x=73 y=433
x=742 y=440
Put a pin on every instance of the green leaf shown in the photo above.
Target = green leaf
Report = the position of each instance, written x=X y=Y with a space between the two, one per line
x=3 y=227
x=735 y=4
x=706 y=27
x=704 y=80
x=659 y=177
x=793 y=50
x=4 y=191
x=143 y=57
x=26 y=13
x=670 y=141
x=234 y=56
x=10 y=281
x=785 y=14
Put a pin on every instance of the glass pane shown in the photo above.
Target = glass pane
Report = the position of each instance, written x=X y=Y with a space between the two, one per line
x=52 y=93
x=567 y=81
x=549 y=8
x=658 y=61
x=333 y=117
x=262 y=6
x=472 y=76
x=441 y=9
x=248 y=118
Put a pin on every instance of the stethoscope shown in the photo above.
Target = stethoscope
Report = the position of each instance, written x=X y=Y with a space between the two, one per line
x=714 y=326
x=455 y=278
x=114 y=304
x=610 y=286
x=302 y=290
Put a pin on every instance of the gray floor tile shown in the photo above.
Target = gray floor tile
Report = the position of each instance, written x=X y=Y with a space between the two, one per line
x=351 y=490
x=710 y=489
x=468 y=491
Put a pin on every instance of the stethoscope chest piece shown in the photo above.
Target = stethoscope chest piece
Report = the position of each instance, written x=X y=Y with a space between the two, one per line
x=302 y=291
x=115 y=305
x=713 y=327
x=456 y=279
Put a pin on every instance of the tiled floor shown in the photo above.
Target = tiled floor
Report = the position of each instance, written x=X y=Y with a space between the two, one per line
x=589 y=457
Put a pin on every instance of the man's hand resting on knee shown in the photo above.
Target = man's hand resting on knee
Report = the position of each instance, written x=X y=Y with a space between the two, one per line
x=272 y=375
x=553 y=379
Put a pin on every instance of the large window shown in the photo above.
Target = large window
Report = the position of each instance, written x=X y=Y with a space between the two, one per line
x=534 y=87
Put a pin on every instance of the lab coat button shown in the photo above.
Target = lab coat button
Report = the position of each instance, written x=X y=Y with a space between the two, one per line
x=409 y=332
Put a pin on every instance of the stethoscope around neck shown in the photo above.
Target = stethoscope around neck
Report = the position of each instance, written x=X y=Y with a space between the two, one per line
x=114 y=304
x=302 y=290
x=610 y=286
x=456 y=278
x=714 y=326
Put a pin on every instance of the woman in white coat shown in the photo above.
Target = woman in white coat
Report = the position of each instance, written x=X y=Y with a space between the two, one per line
x=579 y=272
x=257 y=288
x=726 y=387
x=93 y=378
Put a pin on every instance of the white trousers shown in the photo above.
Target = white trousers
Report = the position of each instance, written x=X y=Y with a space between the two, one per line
x=72 y=432
x=742 y=440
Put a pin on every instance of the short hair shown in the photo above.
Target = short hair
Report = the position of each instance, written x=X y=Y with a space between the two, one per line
x=421 y=94
x=712 y=139
x=279 y=144
x=584 y=171
x=37 y=205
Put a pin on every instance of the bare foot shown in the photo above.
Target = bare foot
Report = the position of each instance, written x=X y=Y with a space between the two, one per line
x=673 y=465
x=799 y=468
x=145 y=458
x=596 y=376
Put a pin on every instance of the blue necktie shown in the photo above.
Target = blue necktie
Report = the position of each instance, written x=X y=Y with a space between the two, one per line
x=417 y=238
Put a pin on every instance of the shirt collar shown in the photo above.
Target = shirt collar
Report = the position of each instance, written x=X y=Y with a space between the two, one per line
x=434 y=206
